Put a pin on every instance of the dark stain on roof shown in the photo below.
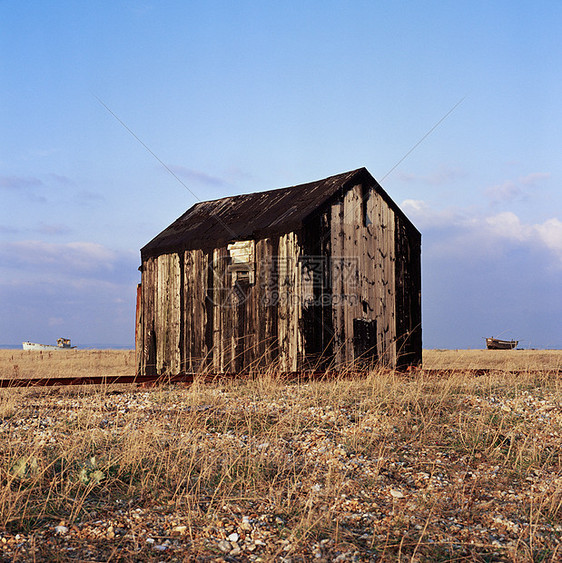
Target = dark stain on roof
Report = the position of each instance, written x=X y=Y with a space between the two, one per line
x=210 y=224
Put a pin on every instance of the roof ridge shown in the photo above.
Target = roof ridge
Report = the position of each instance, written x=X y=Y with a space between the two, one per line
x=212 y=223
x=350 y=172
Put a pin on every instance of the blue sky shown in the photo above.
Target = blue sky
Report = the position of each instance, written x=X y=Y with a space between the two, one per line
x=245 y=96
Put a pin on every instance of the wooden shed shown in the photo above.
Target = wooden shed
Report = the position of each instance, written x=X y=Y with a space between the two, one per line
x=320 y=275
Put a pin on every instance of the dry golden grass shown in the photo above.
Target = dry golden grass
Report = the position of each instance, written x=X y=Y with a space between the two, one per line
x=386 y=467
x=493 y=359
x=80 y=363
x=65 y=363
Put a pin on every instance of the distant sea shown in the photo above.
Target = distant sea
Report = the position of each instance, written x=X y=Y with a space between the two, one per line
x=78 y=347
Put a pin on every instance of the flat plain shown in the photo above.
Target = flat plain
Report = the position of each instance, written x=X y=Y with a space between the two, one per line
x=386 y=467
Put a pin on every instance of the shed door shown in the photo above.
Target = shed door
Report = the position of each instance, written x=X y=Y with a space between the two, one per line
x=365 y=341
x=242 y=277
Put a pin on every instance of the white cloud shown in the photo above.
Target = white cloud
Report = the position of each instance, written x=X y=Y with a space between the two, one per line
x=520 y=188
x=416 y=205
x=43 y=303
x=92 y=251
x=508 y=191
x=31 y=262
x=80 y=289
x=77 y=255
x=507 y=225
x=424 y=216
x=469 y=231
x=550 y=232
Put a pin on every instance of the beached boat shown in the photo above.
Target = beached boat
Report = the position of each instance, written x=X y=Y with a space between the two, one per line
x=496 y=344
x=62 y=344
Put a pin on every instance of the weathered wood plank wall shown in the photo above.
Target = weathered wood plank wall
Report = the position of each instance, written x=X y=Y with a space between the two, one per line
x=363 y=271
x=148 y=290
x=198 y=314
x=289 y=312
x=167 y=314
x=265 y=302
x=194 y=319
x=138 y=329
x=408 y=294
x=381 y=232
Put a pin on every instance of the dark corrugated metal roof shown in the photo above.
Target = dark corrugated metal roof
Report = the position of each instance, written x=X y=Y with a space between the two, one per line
x=212 y=223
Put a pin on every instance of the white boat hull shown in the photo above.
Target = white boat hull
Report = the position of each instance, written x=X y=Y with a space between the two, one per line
x=64 y=344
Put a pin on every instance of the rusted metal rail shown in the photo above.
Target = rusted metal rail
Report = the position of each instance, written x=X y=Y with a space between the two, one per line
x=301 y=376
x=146 y=380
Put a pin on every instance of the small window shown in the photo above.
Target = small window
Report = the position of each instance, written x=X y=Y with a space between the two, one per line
x=242 y=260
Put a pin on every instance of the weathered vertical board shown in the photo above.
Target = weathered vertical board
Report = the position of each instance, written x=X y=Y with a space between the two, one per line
x=344 y=272
x=336 y=243
x=221 y=338
x=194 y=318
x=408 y=294
x=317 y=291
x=382 y=253
x=325 y=292
x=352 y=226
x=356 y=275
x=265 y=304
x=289 y=310
x=148 y=288
x=138 y=330
x=247 y=326
x=363 y=273
x=167 y=314
x=189 y=299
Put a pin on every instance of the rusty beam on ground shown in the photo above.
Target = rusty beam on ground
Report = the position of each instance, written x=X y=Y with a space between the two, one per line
x=155 y=379
x=222 y=377
x=102 y=380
